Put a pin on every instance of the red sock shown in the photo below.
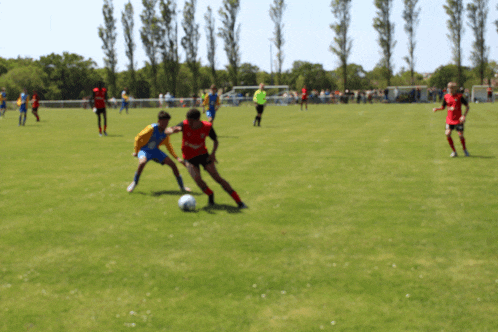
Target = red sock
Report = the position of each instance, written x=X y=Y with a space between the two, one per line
x=450 y=140
x=235 y=196
x=100 y=130
x=105 y=128
x=207 y=191
x=462 y=139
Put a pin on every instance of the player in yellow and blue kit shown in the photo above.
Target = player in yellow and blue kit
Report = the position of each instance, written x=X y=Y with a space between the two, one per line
x=212 y=101
x=147 y=144
x=125 y=100
x=3 y=104
x=23 y=106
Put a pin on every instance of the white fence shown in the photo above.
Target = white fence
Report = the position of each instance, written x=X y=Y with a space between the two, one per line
x=232 y=100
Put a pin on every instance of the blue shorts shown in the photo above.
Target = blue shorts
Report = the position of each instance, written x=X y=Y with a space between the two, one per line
x=23 y=109
x=155 y=154
x=3 y=105
x=210 y=113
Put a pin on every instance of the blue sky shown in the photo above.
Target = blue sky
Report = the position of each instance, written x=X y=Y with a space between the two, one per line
x=56 y=26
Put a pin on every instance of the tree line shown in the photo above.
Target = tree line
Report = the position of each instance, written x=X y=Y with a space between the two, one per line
x=71 y=76
x=159 y=36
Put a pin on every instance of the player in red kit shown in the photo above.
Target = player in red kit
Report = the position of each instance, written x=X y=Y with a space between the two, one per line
x=195 y=153
x=455 y=119
x=35 y=103
x=99 y=101
x=304 y=97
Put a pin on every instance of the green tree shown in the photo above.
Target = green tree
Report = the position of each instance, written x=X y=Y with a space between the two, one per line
x=169 y=44
x=276 y=15
x=342 y=42
x=150 y=34
x=310 y=74
x=108 y=35
x=128 y=24
x=31 y=77
x=455 y=10
x=410 y=15
x=357 y=77
x=248 y=74
x=385 y=28
x=477 y=15
x=69 y=76
x=445 y=74
x=230 y=33
x=211 y=43
x=190 y=42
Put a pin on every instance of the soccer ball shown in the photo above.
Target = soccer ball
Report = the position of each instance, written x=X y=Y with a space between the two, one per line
x=187 y=203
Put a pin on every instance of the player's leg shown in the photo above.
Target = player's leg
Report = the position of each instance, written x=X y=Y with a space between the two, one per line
x=448 y=131
x=211 y=169
x=99 y=122
x=104 y=113
x=142 y=161
x=179 y=179
x=462 y=140
x=195 y=173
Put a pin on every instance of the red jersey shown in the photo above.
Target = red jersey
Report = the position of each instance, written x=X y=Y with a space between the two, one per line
x=36 y=104
x=304 y=93
x=194 y=141
x=99 y=95
x=454 y=103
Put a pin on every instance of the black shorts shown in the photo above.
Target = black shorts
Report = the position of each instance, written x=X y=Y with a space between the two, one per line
x=200 y=160
x=457 y=127
x=35 y=109
x=260 y=109
x=100 y=111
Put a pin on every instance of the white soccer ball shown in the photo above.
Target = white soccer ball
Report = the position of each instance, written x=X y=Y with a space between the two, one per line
x=187 y=202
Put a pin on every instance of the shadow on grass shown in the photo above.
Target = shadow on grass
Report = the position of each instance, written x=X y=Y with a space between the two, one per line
x=221 y=207
x=172 y=193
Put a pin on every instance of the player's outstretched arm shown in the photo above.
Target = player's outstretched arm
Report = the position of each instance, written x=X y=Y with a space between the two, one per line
x=172 y=130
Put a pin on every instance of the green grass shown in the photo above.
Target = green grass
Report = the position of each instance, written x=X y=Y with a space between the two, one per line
x=358 y=220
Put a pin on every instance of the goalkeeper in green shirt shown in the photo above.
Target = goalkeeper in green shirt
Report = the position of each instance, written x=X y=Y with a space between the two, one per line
x=260 y=101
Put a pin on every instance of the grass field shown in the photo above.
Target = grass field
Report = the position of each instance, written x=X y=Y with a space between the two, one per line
x=358 y=220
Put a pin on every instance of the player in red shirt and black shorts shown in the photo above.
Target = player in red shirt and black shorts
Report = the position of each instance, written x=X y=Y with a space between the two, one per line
x=195 y=153
x=304 y=97
x=35 y=104
x=454 y=119
x=99 y=101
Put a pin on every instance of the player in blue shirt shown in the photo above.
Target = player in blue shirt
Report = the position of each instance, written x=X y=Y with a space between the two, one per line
x=3 y=104
x=124 y=100
x=23 y=107
x=212 y=101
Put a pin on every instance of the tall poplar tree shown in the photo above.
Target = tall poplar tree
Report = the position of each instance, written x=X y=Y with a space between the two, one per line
x=455 y=11
x=342 y=42
x=169 y=44
x=108 y=35
x=477 y=13
x=128 y=23
x=410 y=15
x=276 y=15
x=150 y=34
x=230 y=33
x=385 y=28
x=190 y=42
x=211 y=43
